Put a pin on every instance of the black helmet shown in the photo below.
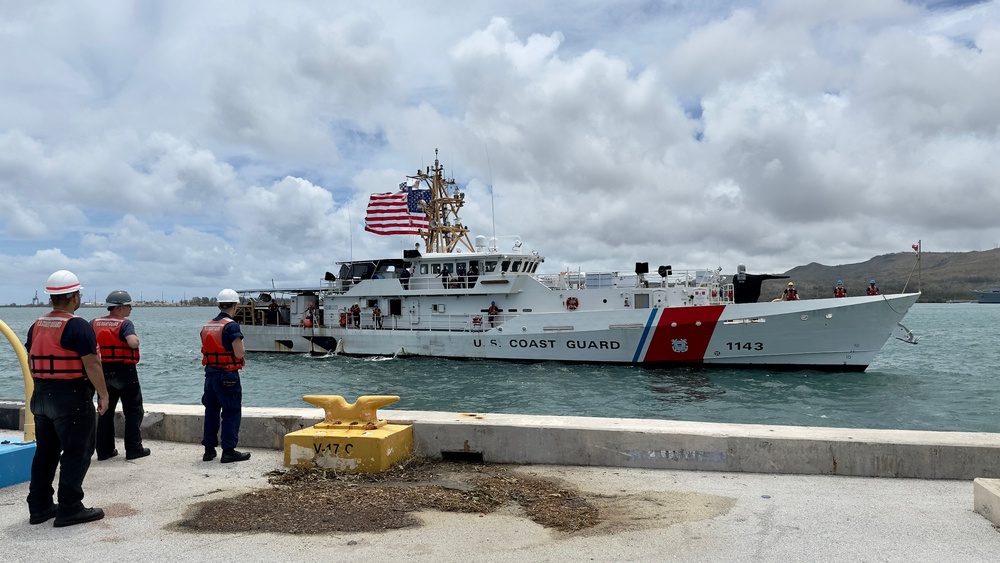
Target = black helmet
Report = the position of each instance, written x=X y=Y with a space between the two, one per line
x=118 y=297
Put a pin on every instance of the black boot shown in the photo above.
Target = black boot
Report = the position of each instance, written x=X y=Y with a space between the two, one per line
x=143 y=452
x=230 y=455
x=209 y=454
x=85 y=515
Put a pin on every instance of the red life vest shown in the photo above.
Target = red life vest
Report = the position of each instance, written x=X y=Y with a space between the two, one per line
x=790 y=294
x=113 y=348
x=214 y=354
x=873 y=290
x=49 y=360
x=839 y=292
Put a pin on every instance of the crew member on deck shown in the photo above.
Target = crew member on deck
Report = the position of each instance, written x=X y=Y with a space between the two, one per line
x=790 y=293
x=473 y=273
x=492 y=312
x=839 y=291
x=310 y=317
x=272 y=313
x=377 y=316
x=872 y=288
x=356 y=315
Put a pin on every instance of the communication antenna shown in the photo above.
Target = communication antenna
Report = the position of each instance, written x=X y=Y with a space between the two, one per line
x=493 y=213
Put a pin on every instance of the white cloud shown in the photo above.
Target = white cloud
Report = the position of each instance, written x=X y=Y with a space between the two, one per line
x=183 y=147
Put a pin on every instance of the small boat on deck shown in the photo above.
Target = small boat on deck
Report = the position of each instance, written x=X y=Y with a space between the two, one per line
x=456 y=299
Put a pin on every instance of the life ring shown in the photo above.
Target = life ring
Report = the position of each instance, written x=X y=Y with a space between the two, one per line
x=572 y=303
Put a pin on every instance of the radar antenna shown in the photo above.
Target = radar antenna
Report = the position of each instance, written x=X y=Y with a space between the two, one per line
x=446 y=230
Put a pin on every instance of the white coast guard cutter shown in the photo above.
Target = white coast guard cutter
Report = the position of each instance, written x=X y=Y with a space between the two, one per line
x=437 y=303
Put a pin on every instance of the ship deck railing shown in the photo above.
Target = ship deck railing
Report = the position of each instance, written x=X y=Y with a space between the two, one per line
x=616 y=280
x=477 y=322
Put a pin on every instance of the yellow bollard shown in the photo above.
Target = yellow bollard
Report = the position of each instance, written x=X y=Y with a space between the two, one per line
x=351 y=438
x=29 y=384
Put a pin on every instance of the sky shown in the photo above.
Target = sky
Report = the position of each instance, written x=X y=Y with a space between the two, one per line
x=172 y=149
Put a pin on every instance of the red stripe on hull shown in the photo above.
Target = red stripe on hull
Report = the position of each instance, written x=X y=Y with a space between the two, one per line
x=687 y=341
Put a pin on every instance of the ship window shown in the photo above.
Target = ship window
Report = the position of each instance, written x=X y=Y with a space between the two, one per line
x=641 y=301
x=423 y=268
x=491 y=266
x=525 y=310
x=504 y=265
x=516 y=266
x=435 y=268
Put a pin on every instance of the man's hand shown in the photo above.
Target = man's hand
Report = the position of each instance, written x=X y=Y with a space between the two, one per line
x=95 y=373
x=102 y=403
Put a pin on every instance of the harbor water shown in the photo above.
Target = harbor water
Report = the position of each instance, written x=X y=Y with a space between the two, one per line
x=947 y=382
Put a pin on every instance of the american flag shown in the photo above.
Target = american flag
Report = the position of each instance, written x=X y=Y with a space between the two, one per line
x=397 y=213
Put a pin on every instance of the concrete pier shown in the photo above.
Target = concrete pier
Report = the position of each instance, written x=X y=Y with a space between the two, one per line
x=777 y=493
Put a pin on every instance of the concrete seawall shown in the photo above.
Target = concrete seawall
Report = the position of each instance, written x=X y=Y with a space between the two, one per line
x=617 y=442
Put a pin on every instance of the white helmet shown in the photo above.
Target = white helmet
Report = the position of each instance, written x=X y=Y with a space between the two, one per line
x=228 y=296
x=62 y=282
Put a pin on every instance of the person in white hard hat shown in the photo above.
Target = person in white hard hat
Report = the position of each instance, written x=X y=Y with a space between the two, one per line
x=222 y=355
x=65 y=366
x=119 y=355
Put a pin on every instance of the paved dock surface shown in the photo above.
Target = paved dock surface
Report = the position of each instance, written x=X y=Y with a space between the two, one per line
x=652 y=515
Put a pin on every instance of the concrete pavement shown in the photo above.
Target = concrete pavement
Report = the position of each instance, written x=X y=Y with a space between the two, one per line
x=654 y=515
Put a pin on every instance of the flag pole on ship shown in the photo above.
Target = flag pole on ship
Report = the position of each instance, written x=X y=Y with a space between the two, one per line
x=916 y=266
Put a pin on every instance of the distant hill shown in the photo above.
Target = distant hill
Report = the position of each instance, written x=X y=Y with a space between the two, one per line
x=942 y=276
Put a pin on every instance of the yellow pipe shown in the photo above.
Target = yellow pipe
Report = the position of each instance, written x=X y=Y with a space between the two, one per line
x=29 y=384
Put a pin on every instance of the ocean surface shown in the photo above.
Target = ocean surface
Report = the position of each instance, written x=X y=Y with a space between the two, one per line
x=949 y=381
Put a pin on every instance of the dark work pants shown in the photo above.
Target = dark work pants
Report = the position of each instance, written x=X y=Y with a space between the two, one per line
x=65 y=418
x=123 y=383
x=223 y=396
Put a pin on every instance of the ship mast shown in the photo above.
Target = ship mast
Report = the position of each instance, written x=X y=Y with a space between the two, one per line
x=446 y=229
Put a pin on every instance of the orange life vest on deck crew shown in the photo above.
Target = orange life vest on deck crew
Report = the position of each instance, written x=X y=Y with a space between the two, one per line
x=839 y=292
x=49 y=360
x=113 y=348
x=214 y=354
x=791 y=294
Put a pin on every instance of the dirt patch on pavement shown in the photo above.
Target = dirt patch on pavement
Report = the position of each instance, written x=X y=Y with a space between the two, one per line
x=316 y=501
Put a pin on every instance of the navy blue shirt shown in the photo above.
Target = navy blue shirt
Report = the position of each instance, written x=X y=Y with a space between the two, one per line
x=127 y=329
x=230 y=332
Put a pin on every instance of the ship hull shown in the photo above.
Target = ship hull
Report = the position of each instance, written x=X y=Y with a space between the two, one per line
x=828 y=334
x=991 y=296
